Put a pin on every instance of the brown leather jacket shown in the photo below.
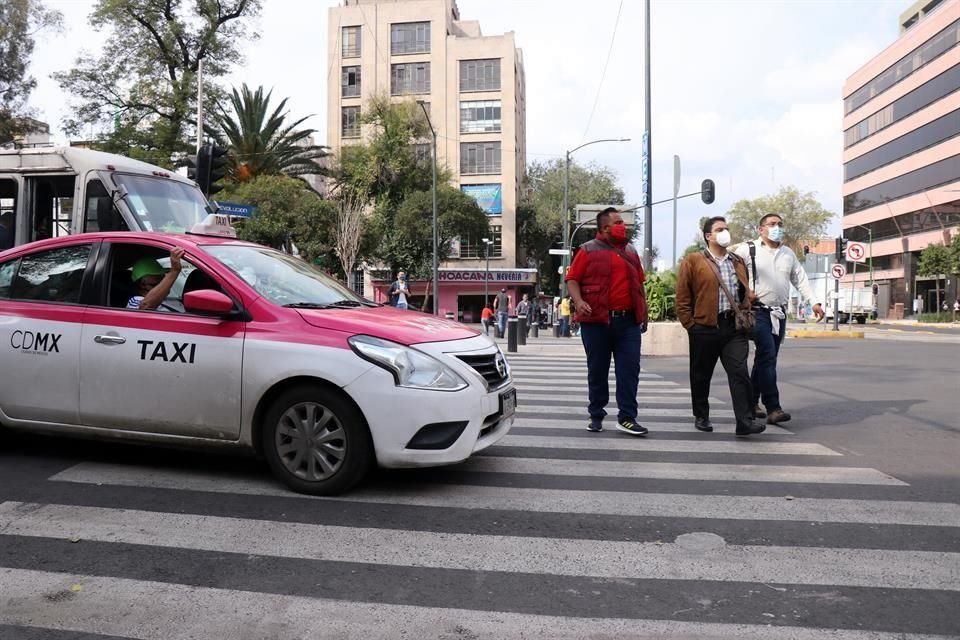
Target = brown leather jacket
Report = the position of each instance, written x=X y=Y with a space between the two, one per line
x=698 y=290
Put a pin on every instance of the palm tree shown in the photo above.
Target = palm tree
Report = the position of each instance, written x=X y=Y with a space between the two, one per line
x=261 y=144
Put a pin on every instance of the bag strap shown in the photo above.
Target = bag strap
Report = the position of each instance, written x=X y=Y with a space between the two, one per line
x=723 y=285
x=753 y=261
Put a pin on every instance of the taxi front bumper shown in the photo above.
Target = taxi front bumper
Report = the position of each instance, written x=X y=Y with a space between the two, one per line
x=403 y=420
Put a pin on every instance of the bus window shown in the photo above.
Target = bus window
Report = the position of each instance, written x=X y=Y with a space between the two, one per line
x=99 y=212
x=8 y=213
x=51 y=206
x=162 y=205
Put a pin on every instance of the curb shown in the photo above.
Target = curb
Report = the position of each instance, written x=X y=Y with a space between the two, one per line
x=825 y=334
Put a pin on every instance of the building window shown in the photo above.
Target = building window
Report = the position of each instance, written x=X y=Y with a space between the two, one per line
x=480 y=116
x=921 y=221
x=922 y=55
x=471 y=247
x=409 y=37
x=350 y=122
x=350 y=82
x=422 y=153
x=412 y=77
x=480 y=75
x=350 y=42
x=928 y=177
x=479 y=157
x=924 y=95
x=356 y=283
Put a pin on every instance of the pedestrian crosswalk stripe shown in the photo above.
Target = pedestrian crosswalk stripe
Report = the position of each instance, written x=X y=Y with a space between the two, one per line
x=679 y=446
x=152 y=610
x=677 y=471
x=564 y=421
x=611 y=409
x=691 y=557
x=555 y=372
x=532 y=383
x=644 y=397
x=571 y=501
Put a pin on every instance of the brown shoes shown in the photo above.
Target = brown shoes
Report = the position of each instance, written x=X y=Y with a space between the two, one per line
x=777 y=416
x=758 y=412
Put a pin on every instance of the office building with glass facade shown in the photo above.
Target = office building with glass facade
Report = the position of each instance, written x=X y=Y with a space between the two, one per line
x=901 y=155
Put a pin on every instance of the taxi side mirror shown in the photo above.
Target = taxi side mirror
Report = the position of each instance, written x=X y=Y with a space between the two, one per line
x=208 y=302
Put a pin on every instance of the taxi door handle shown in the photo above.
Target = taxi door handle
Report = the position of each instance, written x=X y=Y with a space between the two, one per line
x=109 y=340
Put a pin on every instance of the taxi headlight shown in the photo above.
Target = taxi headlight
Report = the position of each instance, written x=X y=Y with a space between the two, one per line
x=410 y=368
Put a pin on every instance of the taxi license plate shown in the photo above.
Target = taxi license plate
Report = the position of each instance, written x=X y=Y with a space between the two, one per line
x=508 y=403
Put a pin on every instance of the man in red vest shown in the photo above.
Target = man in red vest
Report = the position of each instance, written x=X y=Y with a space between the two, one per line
x=606 y=285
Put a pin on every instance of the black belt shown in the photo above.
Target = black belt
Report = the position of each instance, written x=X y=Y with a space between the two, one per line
x=617 y=313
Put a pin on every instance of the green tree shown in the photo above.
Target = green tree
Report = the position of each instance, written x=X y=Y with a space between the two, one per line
x=288 y=211
x=539 y=218
x=804 y=218
x=935 y=261
x=376 y=177
x=20 y=21
x=145 y=78
x=261 y=141
x=953 y=250
x=457 y=216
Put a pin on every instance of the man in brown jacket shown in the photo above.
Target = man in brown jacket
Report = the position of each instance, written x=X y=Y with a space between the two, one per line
x=709 y=317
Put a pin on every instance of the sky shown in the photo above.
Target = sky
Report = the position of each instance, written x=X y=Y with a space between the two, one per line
x=746 y=92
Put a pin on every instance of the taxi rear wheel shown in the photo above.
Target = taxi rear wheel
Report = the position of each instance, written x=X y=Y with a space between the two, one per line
x=315 y=441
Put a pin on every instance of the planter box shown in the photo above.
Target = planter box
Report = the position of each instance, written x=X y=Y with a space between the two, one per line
x=665 y=339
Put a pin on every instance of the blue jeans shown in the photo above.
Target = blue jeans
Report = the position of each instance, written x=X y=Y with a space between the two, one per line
x=402 y=306
x=502 y=323
x=764 y=373
x=564 y=326
x=620 y=339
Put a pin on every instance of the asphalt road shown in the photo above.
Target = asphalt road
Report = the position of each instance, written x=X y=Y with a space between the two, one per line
x=843 y=525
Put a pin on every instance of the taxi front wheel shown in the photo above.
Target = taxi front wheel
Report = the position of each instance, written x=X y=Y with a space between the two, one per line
x=316 y=441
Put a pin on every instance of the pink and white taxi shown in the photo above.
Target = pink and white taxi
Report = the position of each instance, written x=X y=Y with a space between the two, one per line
x=252 y=349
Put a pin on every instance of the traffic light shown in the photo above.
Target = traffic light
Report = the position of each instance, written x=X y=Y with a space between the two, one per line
x=201 y=174
x=218 y=168
x=192 y=164
x=841 y=248
x=707 y=191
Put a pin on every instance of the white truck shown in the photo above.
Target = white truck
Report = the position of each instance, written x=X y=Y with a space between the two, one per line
x=855 y=302
x=55 y=191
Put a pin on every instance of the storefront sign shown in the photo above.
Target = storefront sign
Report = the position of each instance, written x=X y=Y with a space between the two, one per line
x=517 y=276
x=488 y=196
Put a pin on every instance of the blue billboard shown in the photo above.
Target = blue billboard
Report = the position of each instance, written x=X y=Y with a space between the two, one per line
x=488 y=197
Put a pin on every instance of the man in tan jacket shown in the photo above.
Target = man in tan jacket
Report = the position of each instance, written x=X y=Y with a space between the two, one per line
x=709 y=317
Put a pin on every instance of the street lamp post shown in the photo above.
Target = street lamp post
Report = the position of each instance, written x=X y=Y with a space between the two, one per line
x=565 y=262
x=486 y=276
x=436 y=239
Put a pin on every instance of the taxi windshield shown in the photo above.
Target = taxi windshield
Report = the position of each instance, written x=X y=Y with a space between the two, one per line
x=284 y=279
x=161 y=204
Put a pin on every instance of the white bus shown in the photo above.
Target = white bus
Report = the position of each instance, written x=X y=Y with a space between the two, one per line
x=54 y=191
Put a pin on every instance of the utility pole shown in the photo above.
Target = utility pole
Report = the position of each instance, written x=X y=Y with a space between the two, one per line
x=199 y=105
x=676 y=190
x=648 y=139
x=436 y=242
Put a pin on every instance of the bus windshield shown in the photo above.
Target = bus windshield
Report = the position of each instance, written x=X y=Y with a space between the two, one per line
x=162 y=205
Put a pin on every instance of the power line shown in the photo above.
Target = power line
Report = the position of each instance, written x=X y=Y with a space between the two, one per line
x=603 y=75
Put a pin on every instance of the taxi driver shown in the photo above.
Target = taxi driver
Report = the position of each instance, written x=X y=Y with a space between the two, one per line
x=153 y=282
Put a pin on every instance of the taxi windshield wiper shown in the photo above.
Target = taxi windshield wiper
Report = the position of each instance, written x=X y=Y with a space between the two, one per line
x=339 y=304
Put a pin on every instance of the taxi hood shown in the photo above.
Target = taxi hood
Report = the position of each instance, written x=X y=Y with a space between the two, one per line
x=403 y=327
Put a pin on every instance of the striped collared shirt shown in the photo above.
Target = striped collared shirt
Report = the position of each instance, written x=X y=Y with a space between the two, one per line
x=729 y=275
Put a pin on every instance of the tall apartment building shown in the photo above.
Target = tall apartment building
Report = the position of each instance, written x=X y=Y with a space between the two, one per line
x=901 y=157
x=473 y=85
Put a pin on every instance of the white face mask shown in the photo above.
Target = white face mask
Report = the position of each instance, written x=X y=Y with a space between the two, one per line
x=722 y=238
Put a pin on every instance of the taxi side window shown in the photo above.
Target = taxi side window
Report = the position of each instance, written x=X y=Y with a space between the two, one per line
x=122 y=288
x=51 y=276
x=7 y=270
